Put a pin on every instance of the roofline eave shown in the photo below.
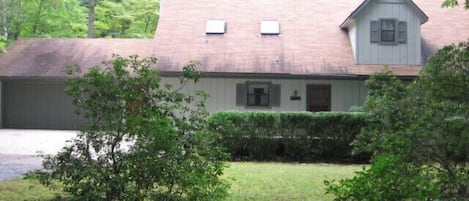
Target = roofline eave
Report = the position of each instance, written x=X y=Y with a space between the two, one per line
x=346 y=22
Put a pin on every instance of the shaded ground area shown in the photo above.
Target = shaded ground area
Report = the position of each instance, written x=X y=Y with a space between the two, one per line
x=12 y=166
x=19 y=149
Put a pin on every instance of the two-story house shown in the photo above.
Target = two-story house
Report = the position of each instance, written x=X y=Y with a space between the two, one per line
x=272 y=55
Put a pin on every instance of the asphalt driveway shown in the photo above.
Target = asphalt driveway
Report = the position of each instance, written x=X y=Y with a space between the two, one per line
x=19 y=149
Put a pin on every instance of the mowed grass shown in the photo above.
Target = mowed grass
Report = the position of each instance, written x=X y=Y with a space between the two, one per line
x=27 y=190
x=284 y=181
x=249 y=181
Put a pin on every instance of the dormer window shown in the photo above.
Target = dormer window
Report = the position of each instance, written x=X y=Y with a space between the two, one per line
x=270 y=27
x=386 y=38
x=215 y=27
x=388 y=31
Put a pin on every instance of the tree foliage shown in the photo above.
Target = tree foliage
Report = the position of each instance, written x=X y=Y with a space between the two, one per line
x=453 y=3
x=72 y=18
x=388 y=179
x=144 y=141
x=2 y=44
x=425 y=124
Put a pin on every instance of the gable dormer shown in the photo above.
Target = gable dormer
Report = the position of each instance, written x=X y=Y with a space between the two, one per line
x=386 y=32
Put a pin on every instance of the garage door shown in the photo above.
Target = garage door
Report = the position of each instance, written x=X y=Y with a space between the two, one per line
x=38 y=104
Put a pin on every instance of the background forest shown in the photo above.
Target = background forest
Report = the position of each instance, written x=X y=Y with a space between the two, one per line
x=71 y=19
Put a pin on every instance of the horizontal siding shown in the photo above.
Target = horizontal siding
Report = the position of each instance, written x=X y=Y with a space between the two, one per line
x=222 y=91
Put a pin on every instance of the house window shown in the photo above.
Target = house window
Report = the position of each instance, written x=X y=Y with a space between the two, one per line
x=215 y=27
x=258 y=94
x=388 y=32
x=270 y=27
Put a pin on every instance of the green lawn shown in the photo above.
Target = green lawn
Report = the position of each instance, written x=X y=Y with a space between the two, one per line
x=282 y=182
x=249 y=181
x=26 y=190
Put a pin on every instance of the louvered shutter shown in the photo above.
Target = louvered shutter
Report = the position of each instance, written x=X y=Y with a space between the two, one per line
x=275 y=95
x=241 y=94
x=402 y=32
x=374 y=31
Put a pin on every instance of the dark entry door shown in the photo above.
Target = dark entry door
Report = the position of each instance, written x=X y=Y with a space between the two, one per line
x=318 y=98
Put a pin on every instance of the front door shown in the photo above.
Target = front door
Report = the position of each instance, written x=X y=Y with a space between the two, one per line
x=318 y=98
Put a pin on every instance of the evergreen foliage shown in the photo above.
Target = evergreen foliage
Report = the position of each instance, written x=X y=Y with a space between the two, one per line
x=289 y=136
x=143 y=140
x=422 y=129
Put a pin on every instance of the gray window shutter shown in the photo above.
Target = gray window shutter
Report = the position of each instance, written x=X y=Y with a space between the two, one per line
x=374 y=31
x=241 y=94
x=402 y=32
x=275 y=95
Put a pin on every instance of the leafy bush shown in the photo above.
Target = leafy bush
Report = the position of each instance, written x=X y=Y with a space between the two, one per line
x=143 y=141
x=387 y=179
x=288 y=136
x=3 y=44
x=425 y=125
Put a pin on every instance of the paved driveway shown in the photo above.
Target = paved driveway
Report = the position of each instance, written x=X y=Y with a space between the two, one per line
x=19 y=149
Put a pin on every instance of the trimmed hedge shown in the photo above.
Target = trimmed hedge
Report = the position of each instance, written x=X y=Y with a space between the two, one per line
x=289 y=136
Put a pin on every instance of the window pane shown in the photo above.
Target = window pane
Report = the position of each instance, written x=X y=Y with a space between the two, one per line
x=258 y=94
x=387 y=36
x=264 y=100
x=388 y=25
x=259 y=88
x=251 y=100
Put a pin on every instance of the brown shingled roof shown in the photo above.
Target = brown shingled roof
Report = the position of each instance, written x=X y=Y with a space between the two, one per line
x=311 y=41
x=50 y=57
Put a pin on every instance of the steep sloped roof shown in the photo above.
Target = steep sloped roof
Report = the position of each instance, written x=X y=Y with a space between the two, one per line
x=311 y=40
x=50 y=57
x=366 y=3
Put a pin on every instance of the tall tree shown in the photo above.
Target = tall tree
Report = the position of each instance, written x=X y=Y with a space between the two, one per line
x=5 y=6
x=91 y=13
x=126 y=19
x=145 y=14
x=453 y=3
x=52 y=19
x=10 y=18
x=143 y=140
x=420 y=129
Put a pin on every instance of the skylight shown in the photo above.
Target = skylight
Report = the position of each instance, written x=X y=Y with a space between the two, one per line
x=270 y=27
x=215 y=27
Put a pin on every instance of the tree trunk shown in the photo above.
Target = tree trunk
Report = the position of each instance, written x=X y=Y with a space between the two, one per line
x=4 y=14
x=5 y=28
x=91 y=6
x=37 y=19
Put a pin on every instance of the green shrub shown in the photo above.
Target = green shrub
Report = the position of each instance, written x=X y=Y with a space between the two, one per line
x=143 y=140
x=424 y=125
x=388 y=179
x=3 y=44
x=289 y=136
